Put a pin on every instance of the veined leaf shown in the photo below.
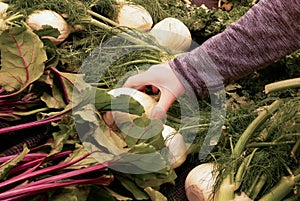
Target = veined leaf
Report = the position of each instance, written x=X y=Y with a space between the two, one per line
x=22 y=59
x=143 y=129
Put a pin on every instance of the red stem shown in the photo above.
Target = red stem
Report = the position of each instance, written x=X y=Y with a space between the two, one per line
x=66 y=175
x=17 y=194
x=43 y=171
x=29 y=125
x=28 y=157
x=37 y=161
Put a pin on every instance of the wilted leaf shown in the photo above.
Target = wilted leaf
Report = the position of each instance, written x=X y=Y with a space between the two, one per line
x=147 y=167
x=118 y=196
x=77 y=153
x=137 y=192
x=92 y=130
x=22 y=59
x=60 y=137
x=98 y=193
x=155 y=195
x=74 y=193
x=7 y=166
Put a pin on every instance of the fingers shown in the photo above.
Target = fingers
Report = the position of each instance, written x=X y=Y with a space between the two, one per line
x=137 y=82
x=163 y=105
x=161 y=78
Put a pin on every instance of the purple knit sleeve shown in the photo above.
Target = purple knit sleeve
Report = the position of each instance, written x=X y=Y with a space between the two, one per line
x=268 y=31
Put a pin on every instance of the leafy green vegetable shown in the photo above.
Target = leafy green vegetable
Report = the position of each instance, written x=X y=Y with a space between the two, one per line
x=22 y=59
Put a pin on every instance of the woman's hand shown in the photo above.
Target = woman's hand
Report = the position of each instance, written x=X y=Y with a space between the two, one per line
x=160 y=77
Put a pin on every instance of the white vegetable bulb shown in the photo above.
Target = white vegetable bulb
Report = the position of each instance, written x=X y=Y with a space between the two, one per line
x=173 y=140
x=134 y=16
x=120 y=117
x=176 y=144
x=173 y=34
x=3 y=15
x=3 y=8
x=199 y=183
x=40 y=18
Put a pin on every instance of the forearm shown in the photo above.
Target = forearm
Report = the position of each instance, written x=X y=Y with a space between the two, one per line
x=268 y=31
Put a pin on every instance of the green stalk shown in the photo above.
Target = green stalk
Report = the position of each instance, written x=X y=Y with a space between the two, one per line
x=31 y=112
x=269 y=144
x=105 y=19
x=295 y=149
x=282 y=189
x=281 y=85
x=243 y=168
x=258 y=121
x=252 y=187
x=287 y=135
x=120 y=33
x=258 y=186
x=194 y=126
x=226 y=190
x=141 y=61
x=295 y=196
x=228 y=185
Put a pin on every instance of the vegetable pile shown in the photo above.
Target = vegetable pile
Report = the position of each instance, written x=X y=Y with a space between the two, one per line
x=62 y=65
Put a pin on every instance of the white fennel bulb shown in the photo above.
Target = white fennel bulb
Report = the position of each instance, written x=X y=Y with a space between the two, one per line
x=120 y=117
x=3 y=15
x=173 y=34
x=177 y=148
x=40 y=18
x=3 y=8
x=199 y=183
x=173 y=140
x=134 y=16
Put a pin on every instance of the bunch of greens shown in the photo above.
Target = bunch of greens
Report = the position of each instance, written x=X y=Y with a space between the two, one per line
x=61 y=91
x=38 y=91
x=262 y=161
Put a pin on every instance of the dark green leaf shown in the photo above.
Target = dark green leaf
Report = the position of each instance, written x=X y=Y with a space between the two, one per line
x=124 y=103
x=99 y=194
x=133 y=188
x=143 y=130
x=48 y=31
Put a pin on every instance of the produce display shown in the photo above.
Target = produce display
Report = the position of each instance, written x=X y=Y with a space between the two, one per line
x=69 y=131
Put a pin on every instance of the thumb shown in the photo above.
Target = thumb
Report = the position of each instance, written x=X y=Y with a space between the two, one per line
x=159 y=111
